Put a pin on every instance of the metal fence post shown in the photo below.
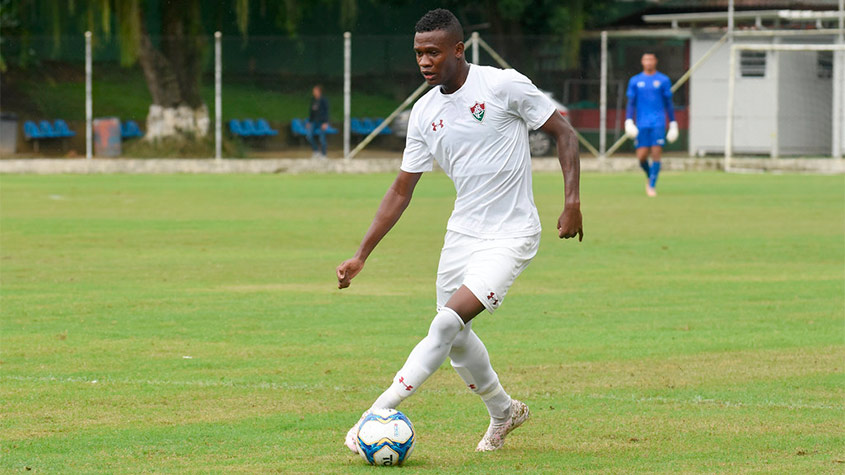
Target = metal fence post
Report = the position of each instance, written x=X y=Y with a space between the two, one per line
x=347 y=92
x=218 y=99
x=89 y=106
x=603 y=98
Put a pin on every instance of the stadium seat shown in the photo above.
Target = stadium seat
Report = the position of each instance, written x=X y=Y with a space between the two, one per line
x=31 y=131
x=248 y=128
x=297 y=126
x=47 y=130
x=130 y=129
x=386 y=130
x=356 y=127
x=61 y=129
x=369 y=126
x=235 y=128
x=263 y=128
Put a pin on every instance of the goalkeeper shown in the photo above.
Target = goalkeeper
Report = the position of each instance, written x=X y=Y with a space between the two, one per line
x=650 y=101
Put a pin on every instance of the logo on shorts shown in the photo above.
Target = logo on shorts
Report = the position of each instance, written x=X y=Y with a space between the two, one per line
x=493 y=299
x=478 y=111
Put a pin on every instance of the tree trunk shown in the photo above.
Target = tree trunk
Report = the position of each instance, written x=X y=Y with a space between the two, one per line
x=173 y=73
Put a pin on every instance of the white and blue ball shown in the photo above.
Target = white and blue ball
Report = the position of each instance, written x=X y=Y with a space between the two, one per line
x=385 y=437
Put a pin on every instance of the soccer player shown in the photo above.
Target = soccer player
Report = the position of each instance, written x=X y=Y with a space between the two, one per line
x=650 y=99
x=474 y=123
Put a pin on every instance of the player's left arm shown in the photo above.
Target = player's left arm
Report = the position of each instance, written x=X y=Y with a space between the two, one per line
x=569 y=223
x=672 y=134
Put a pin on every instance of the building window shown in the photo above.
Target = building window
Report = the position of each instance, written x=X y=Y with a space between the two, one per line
x=752 y=64
x=824 y=64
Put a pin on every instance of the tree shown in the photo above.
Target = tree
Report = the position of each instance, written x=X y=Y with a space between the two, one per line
x=172 y=67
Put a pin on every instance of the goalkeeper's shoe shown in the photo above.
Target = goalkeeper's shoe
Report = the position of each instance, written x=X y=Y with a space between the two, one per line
x=494 y=439
x=352 y=436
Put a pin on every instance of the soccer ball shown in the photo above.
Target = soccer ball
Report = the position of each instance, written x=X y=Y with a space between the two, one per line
x=385 y=437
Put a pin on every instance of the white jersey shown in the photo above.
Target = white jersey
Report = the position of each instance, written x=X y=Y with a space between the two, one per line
x=479 y=136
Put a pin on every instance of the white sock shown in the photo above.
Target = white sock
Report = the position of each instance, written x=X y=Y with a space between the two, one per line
x=472 y=362
x=424 y=359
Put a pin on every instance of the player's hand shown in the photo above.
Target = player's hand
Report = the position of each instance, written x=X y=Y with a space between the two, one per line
x=672 y=134
x=569 y=223
x=631 y=130
x=347 y=270
x=325 y=126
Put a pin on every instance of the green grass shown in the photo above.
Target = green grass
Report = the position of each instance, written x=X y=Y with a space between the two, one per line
x=701 y=331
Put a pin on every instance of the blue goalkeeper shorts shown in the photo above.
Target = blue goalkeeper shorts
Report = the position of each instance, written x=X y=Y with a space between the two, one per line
x=650 y=137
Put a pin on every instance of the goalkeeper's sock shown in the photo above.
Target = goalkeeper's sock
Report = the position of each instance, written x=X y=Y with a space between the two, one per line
x=644 y=166
x=652 y=174
x=424 y=359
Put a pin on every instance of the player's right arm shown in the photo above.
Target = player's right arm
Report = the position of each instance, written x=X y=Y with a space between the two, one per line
x=392 y=206
x=630 y=128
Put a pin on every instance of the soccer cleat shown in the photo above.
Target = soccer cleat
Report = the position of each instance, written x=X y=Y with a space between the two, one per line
x=352 y=436
x=494 y=439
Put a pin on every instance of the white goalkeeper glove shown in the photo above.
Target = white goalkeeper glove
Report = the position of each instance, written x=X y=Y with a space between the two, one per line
x=631 y=130
x=672 y=135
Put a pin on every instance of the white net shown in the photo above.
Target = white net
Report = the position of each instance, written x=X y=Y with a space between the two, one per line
x=784 y=102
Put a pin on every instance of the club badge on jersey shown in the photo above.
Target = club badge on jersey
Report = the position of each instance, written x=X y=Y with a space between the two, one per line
x=478 y=111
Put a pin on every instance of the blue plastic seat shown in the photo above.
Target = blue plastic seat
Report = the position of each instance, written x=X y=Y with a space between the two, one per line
x=263 y=127
x=248 y=128
x=331 y=130
x=61 y=129
x=297 y=126
x=47 y=130
x=356 y=127
x=369 y=126
x=130 y=129
x=386 y=130
x=235 y=128
x=31 y=131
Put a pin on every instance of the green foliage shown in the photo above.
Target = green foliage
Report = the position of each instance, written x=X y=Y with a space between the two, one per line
x=192 y=324
x=123 y=93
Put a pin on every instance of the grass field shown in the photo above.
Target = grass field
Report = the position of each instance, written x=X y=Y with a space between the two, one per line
x=191 y=323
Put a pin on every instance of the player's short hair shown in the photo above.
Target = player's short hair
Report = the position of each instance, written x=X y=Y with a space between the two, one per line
x=440 y=19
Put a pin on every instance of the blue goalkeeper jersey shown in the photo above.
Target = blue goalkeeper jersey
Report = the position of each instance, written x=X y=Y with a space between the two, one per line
x=651 y=97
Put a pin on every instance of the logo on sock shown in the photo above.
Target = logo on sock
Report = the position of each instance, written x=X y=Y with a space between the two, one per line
x=402 y=382
x=471 y=386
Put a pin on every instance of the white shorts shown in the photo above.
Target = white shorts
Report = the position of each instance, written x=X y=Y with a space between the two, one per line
x=487 y=267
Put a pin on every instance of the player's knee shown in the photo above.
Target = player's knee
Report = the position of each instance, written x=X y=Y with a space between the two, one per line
x=445 y=326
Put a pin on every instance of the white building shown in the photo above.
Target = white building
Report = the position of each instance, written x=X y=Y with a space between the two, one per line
x=784 y=101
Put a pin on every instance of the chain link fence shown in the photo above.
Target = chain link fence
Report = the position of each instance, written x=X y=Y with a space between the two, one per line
x=271 y=77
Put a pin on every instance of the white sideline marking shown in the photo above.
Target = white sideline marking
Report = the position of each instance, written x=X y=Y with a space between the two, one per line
x=699 y=400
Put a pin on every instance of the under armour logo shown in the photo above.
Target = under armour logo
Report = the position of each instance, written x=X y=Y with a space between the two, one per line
x=471 y=386
x=435 y=125
x=492 y=297
x=402 y=382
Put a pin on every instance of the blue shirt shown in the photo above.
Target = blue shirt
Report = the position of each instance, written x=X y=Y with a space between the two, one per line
x=651 y=97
